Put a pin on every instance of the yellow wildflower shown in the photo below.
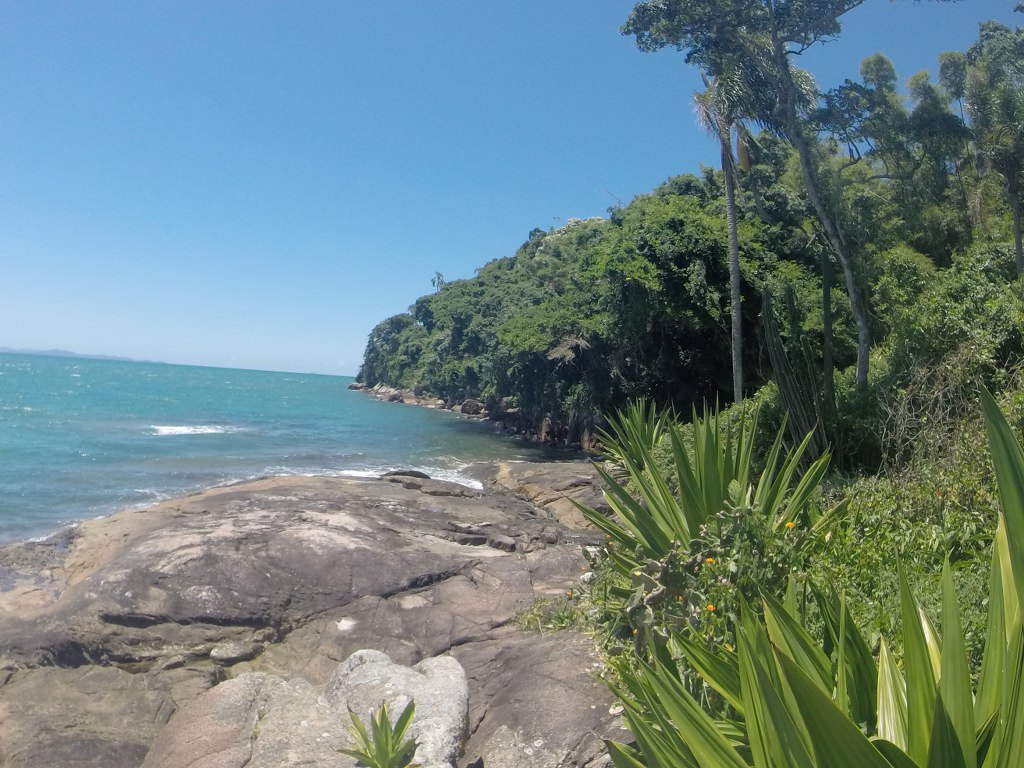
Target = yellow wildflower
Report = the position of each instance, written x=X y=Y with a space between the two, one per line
x=790 y=524
x=711 y=606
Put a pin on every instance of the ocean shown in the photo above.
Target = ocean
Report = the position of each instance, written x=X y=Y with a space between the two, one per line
x=82 y=438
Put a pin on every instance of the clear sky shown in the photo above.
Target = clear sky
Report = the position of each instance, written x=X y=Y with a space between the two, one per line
x=256 y=183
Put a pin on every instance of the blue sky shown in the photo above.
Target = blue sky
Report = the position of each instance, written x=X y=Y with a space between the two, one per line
x=256 y=184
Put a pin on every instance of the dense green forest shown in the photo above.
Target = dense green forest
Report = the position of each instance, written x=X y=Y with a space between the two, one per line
x=921 y=185
x=796 y=361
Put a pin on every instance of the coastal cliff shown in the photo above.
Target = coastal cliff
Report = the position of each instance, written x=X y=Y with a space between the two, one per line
x=109 y=629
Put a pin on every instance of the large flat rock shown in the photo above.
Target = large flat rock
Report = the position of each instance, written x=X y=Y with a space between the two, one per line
x=107 y=631
x=553 y=486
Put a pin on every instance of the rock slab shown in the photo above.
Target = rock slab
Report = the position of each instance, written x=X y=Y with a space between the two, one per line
x=554 y=486
x=263 y=721
x=107 y=633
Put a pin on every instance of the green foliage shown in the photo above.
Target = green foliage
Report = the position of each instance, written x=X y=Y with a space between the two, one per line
x=588 y=316
x=687 y=548
x=552 y=615
x=925 y=186
x=384 y=744
x=970 y=304
x=801 y=701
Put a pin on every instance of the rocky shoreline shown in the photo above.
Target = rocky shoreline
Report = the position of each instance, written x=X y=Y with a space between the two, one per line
x=506 y=418
x=219 y=628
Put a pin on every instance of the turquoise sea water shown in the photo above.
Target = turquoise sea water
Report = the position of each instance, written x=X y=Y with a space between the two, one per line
x=81 y=438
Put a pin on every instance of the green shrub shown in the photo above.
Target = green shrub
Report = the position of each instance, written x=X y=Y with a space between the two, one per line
x=973 y=304
x=685 y=550
x=798 y=701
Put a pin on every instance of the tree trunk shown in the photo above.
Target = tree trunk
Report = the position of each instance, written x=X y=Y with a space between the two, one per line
x=828 y=373
x=1018 y=247
x=729 y=171
x=808 y=167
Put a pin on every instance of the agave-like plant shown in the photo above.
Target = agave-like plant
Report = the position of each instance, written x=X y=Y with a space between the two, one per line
x=797 y=702
x=666 y=523
x=713 y=474
x=383 y=745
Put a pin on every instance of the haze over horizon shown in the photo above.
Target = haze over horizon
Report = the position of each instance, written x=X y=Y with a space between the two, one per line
x=256 y=185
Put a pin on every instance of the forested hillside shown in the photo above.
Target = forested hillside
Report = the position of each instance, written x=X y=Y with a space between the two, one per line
x=920 y=184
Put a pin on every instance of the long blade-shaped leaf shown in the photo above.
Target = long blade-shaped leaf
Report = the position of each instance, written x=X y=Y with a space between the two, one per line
x=777 y=736
x=944 y=749
x=623 y=756
x=921 y=689
x=697 y=729
x=1008 y=461
x=892 y=700
x=1008 y=740
x=838 y=742
x=993 y=666
x=955 y=678
x=787 y=634
x=720 y=671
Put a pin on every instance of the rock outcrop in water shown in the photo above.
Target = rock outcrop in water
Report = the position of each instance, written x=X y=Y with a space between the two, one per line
x=108 y=631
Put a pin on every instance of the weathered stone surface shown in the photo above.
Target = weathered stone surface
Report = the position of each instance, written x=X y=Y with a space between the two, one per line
x=233 y=651
x=521 y=685
x=553 y=486
x=262 y=721
x=95 y=716
x=161 y=604
x=437 y=685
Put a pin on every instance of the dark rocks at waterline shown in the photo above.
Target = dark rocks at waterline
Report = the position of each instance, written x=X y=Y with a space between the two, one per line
x=406 y=473
x=471 y=407
x=506 y=418
x=108 y=633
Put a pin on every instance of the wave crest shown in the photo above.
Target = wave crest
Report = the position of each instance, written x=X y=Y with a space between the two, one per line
x=165 y=430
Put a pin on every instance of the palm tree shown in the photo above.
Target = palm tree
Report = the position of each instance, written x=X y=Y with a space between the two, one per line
x=718 y=108
x=739 y=93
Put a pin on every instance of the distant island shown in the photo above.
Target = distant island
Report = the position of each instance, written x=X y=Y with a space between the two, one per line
x=68 y=353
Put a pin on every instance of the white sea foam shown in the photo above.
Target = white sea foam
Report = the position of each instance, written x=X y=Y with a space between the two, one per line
x=165 y=430
x=437 y=473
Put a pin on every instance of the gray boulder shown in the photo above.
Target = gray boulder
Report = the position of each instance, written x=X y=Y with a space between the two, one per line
x=259 y=720
x=437 y=685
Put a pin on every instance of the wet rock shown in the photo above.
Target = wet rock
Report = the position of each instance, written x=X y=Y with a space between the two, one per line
x=407 y=473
